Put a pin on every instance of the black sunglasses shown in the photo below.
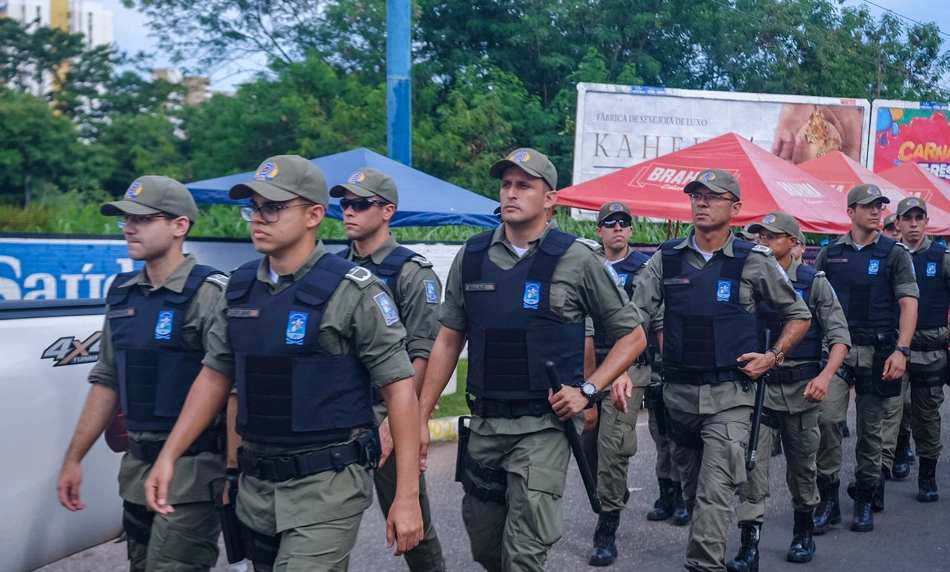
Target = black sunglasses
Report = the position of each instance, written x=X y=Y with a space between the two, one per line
x=360 y=205
x=615 y=221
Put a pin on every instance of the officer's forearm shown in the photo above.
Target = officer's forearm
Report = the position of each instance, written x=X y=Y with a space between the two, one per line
x=836 y=357
x=619 y=359
x=792 y=333
x=659 y=340
x=442 y=361
x=101 y=405
x=908 y=321
x=208 y=395
x=590 y=358
x=234 y=440
x=419 y=364
x=403 y=423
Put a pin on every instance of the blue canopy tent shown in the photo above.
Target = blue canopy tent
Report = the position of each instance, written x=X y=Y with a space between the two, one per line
x=424 y=200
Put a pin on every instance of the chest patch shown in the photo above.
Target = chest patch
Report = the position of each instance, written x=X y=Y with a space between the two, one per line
x=296 y=328
x=931 y=269
x=532 y=295
x=724 y=291
x=874 y=266
x=163 y=327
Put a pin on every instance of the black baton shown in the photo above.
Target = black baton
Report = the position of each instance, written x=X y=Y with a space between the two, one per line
x=571 y=432
x=757 y=412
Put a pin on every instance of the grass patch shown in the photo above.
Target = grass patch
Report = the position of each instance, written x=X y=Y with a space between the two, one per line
x=454 y=404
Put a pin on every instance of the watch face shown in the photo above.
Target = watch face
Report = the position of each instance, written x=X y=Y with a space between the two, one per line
x=588 y=389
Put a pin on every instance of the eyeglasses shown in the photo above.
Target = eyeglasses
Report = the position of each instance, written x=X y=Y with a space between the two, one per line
x=709 y=198
x=610 y=223
x=360 y=205
x=769 y=237
x=270 y=213
x=139 y=220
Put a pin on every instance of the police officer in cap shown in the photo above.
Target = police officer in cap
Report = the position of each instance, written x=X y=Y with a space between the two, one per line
x=159 y=329
x=873 y=277
x=794 y=389
x=369 y=200
x=890 y=227
x=928 y=359
x=712 y=284
x=519 y=295
x=309 y=335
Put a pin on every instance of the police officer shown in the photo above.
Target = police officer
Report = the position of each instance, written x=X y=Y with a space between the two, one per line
x=711 y=284
x=890 y=227
x=617 y=432
x=369 y=201
x=156 y=336
x=794 y=389
x=519 y=295
x=874 y=278
x=309 y=334
x=798 y=249
x=928 y=359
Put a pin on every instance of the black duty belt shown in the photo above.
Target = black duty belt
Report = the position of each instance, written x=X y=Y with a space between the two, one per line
x=148 y=451
x=931 y=346
x=794 y=374
x=364 y=451
x=878 y=339
x=509 y=409
x=709 y=377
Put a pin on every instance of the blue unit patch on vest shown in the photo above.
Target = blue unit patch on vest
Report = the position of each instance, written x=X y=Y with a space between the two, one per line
x=387 y=307
x=931 y=269
x=874 y=266
x=384 y=280
x=623 y=279
x=724 y=291
x=296 y=328
x=163 y=327
x=800 y=293
x=532 y=295
x=432 y=294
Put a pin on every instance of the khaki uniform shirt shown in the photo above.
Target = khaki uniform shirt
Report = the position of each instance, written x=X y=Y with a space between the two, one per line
x=353 y=323
x=192 y=473
x=924 y=361
x=762 y=280
x=825 y=308
x=581 y=286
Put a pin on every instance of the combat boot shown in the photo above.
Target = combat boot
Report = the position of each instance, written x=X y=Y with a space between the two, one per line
x=663 y=507
x=681 y=514
x=877 y=502
x=605 y=537
x=828 y=511
x=803 y=545
x=747 y=560
x=901 y=465
x=863 y=520
x=927 y=480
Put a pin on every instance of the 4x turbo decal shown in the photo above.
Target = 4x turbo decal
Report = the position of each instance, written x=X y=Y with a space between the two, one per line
x=70 y=351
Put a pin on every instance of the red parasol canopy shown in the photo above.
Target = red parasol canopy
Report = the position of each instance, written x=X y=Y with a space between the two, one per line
x=921 y=183
x=655 y=188
x=843 y=173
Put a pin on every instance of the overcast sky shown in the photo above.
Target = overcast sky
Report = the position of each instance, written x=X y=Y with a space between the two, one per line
x=131 y=34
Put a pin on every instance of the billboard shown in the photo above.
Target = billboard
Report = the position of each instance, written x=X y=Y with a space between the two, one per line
x=910 y=132
x=620 y=125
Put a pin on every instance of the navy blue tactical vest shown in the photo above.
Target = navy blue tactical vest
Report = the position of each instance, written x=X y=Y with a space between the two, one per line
x=512 y=331
x=290 y=390
x=809 y=348
x=156 y=368
x=934 y=296
x=388 y=270
x=704 y=326
x=864 y=289
x=625 y=269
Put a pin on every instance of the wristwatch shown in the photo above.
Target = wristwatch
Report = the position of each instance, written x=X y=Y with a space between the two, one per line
x=779 y=356
x=904 y=350
x=588 y=390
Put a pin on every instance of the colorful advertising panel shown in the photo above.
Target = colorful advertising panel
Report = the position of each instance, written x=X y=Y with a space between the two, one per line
x=910 y=132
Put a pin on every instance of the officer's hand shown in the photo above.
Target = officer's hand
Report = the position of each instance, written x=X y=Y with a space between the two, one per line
x=894 y=366
x=385 y=440
x=424 y=447
x=757 y=364
x=817 y=389
x=621 y=389
x=590 y=419
x=156 y=486
x=404 y=525
x=69 y=480
x=568 y=402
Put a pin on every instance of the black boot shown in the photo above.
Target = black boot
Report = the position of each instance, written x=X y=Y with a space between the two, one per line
x=845 y=432
x=828 y=511
x=605 y=536
x=863 y=520
x=911 y=456
x=663 y=507
x=747 y=560
x=681 y=514
x=927 y=480
x=877 y=502
x=803 y=545
x=901 y=467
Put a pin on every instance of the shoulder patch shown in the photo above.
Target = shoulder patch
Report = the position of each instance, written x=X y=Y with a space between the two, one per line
x=591 y=244
x=819 y=273
x=421 y=261
x=387 y=308
x=761 y=248
x=947 y=251
x=361 y=276
x=219 y=279
x=902 y=245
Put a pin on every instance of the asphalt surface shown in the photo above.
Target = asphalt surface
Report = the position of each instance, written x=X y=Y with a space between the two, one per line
x=908 y=535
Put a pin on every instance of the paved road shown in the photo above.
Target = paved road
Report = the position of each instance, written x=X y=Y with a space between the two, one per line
x=908 y=535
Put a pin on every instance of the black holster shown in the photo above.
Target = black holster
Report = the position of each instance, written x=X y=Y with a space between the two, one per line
x=654 y=398
x=227 y=512
x=464 y=463
x=137 y=521
x=683 y=436
x=770 y=419
x=873 y=383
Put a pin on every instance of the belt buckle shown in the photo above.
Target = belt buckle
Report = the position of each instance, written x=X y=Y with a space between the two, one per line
x=370 y=454
x=336 y=459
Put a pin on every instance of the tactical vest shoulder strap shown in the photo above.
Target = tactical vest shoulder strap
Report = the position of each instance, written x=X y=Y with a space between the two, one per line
x=805 y=274
x=241 y=279
x=550 y=251
x=883 y=247
x=732 y=266
x=118 y=295
x=935 y=253
x=394 y=261
x=834 y=250
x=318 y=285
x=195 y=279
x=476 y=249
x=633 y=262
x=672 y=258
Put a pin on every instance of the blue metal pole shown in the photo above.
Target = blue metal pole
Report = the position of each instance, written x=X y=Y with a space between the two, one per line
x=399 y=80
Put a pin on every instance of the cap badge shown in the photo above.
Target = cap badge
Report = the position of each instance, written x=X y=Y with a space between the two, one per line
x=357 y=177
x=520 y=157
x=913 y=203
x=615 y=207
x=708 y=176
x=769 y=219
x=266 y=172
x=135 y=189
x=872 y=190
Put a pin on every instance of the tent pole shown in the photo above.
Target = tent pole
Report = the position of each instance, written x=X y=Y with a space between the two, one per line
x=676 y=234
x=669 y=226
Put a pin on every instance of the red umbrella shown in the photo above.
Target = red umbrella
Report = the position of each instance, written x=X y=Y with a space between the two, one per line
x=921 y=183
x=655 y=188
x=843 y=173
